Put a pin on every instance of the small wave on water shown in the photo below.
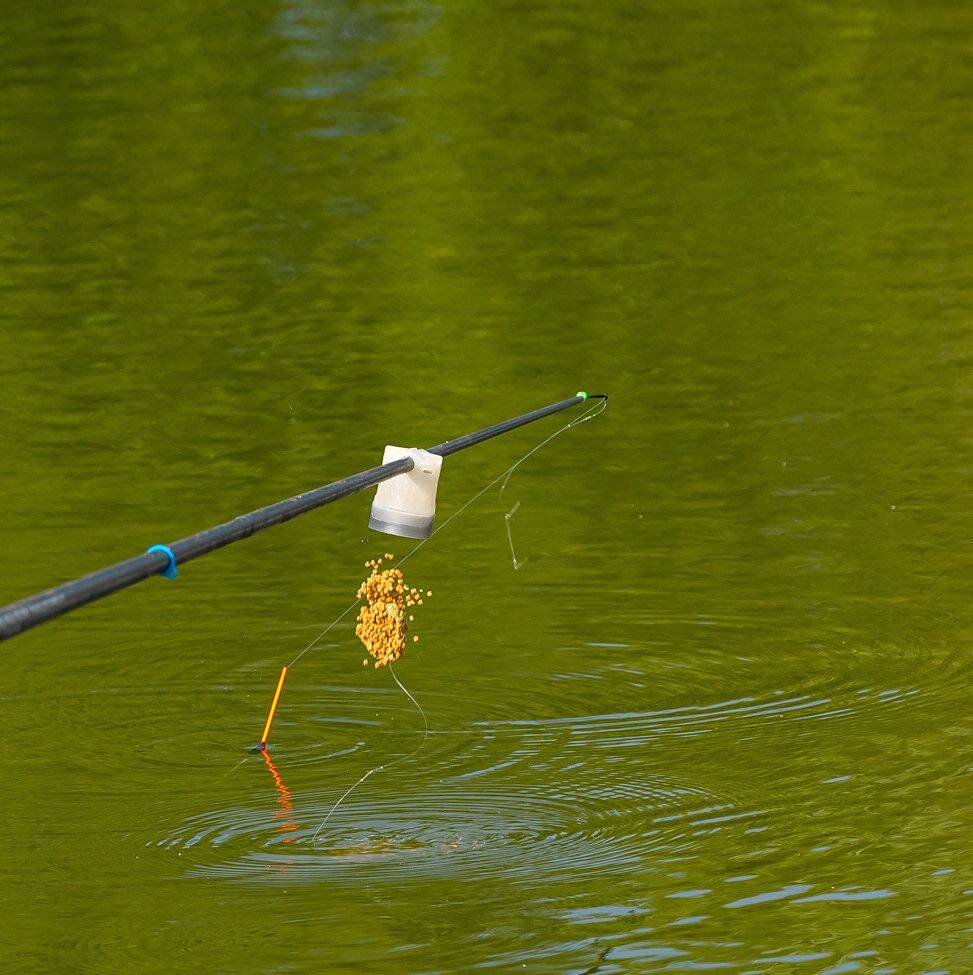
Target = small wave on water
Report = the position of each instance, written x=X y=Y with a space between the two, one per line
x=446 y=831
x=494 y=798
x=470 y=803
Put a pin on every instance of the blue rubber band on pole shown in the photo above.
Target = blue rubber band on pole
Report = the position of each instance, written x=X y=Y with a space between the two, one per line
x=170 y=571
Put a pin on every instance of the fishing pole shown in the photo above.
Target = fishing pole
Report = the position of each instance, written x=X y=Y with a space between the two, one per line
x=404 y=505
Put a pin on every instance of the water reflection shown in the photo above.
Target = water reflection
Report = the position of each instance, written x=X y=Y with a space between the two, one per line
x=284 y=799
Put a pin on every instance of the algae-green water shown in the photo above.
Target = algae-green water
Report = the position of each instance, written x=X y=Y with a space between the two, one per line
x=718 y=718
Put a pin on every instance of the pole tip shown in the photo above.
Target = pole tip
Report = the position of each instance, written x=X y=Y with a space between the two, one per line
x=582 y=394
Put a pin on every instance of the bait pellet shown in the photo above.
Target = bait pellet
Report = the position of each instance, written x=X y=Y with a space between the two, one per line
x=382 y=625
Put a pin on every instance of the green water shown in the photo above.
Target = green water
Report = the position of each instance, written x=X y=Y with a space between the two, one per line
x=718 y=718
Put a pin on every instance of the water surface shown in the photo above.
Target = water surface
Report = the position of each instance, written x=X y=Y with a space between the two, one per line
x=717 y=718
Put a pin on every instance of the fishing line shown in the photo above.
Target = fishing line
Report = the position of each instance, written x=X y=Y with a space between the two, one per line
x=326 y=630
x=508 y=473
x=165 y=559
x=381 y=768
x=510 y=538
x=589 y=414
x=505 y=477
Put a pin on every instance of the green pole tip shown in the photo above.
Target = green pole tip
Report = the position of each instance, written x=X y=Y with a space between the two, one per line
x=581 y=393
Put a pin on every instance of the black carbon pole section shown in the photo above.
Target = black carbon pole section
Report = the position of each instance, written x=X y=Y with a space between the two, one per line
x=29 y=612
x=26 y=613
x=461 y=443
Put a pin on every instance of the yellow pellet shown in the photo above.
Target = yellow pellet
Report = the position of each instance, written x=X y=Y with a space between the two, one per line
x=382 y=624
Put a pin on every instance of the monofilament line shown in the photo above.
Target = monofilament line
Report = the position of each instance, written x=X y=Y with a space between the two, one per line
x=589 y=414
x=506 y=518
x=510 y=537
x=381 y=768
x=505 y=478
x=507 y=474
x=325 y=631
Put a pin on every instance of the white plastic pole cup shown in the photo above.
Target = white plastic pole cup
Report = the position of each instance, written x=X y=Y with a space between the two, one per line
x=406 y=504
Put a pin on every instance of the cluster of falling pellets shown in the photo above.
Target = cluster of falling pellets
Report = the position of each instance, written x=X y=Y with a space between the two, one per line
x=383 y=622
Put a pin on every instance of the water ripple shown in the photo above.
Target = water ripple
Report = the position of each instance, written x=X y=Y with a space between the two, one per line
x=447 y=830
